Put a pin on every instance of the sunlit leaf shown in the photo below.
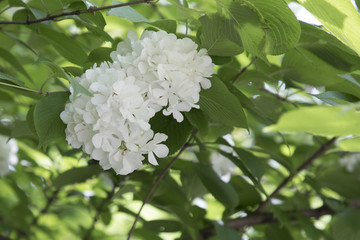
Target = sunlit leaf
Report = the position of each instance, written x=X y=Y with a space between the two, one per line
x=320 y=120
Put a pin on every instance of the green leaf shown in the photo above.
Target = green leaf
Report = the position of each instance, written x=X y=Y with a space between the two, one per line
x=338 y=17
x=198 y=119
x=336 y=178
x=319 y=120
x=21 y=129
x=165 y=24
x=59 y=72
x=328 y=48
x=265 y=26
x=99 y=55
x=274 y=231
x=67 y=47
x=47 y=120
x=352 y=144
x=242 y=98
x=255 y=164
x=226 y=233
x=178 y=133
x=20 y=90
x=30 y=120
x=74 y=71
x=163 y=226
x=335 y=98
x=127 y=12
x=11 y=79
x=248 y=196
x=221 y=105
x=219 y=36
x=20 y=41
x=76 y=175
x=247 y=172
x=344 y=225
x=7 y=56
x=305 y=67
x=222 y=191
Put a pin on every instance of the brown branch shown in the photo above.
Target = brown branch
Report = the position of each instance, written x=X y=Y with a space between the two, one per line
x=162 y=175
x=266 y=217
x=4 y=238
x=262 y=218
x=76 y=12
x=307 y=163
x=243 y=70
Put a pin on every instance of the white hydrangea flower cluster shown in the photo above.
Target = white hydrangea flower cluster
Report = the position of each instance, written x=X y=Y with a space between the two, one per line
x=156 y=72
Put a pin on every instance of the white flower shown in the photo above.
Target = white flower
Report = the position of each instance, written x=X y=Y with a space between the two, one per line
x=8 y=150
x=173 y=69
x=350 y=161
x=156 y=72
x=113 y=124
x=153 y=147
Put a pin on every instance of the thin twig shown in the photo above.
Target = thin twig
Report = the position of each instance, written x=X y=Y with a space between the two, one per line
x=162 y=175
x=98 y=212
x=243 y=70
x=306 y=164
x=76 y=12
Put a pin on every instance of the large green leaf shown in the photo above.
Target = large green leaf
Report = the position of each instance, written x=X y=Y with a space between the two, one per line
x=336 y=178
x=221 y=105
x=320 y=120
x=219 y=36
x=76 y=175
x=265 y=26
x=338 y=17
x=303 y=66
x=47 y=120
x=66 y=46
x=222 y=191
x=328 y=48
x=352 y=144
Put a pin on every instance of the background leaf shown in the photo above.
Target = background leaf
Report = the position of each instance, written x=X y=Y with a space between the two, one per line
x=319 y=120
x=128 y=13
x=223 y=192
x=47 y=120
x=221 y=105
